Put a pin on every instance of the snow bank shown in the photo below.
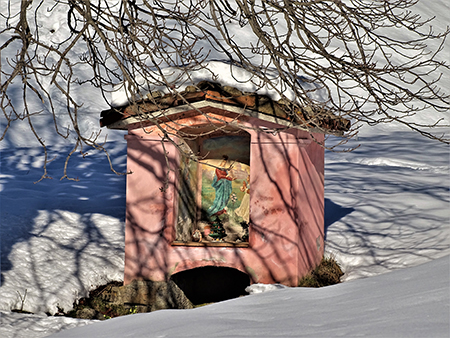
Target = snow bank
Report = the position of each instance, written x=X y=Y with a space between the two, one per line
x=260 y=288
x=20 y=325
x=412 y=302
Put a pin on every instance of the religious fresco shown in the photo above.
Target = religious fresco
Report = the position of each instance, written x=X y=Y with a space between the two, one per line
x=225 y=198
x=220 y=192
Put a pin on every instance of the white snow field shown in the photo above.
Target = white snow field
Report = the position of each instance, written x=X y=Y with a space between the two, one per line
x=413 y=302
x=387 y=207
x=387 y=217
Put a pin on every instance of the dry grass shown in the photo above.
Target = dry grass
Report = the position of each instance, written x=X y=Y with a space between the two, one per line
x=328 y=272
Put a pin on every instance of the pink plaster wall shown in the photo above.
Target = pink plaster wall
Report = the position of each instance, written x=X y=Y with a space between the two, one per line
x=286 y=207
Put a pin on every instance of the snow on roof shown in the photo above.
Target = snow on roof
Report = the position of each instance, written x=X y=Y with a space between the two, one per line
x=159 y=106
x=219 y=82
x=213 y=71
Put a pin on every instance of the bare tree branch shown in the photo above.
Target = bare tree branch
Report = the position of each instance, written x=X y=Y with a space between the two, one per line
x=348 y=57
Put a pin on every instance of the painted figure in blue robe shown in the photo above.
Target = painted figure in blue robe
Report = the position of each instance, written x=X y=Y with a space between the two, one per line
x=222 y=184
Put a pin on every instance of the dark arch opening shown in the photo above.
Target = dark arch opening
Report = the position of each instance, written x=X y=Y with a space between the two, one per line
x=211 y=284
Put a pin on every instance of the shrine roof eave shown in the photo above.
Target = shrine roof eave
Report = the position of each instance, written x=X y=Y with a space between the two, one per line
x=161 y=115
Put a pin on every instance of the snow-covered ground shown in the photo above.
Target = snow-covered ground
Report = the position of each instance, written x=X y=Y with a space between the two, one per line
x=412 y=302
x=59 y=238
x=387 y=204
x=387 y=208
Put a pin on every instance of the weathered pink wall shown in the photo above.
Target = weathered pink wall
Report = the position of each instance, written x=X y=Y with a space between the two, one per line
x=286 y=208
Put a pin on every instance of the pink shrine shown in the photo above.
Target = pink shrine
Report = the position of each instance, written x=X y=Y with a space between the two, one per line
x=251 y=196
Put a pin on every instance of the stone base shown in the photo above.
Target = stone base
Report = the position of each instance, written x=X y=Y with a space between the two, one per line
x=146 y=296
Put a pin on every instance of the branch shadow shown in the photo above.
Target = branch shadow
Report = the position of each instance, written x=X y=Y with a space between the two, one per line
x=50 y=229
x=399 y=196
x=151 y=223
x=61 y=223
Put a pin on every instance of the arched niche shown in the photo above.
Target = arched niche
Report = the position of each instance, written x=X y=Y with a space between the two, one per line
x=213 y=186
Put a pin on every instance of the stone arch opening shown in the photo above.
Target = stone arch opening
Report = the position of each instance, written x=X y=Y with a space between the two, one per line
x=211 y=284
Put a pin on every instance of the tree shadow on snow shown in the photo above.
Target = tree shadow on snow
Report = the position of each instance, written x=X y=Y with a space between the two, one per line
x=57 y=222
x=396 y=197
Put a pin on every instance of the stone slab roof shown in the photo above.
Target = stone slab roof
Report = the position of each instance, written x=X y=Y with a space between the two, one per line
x=158 y=105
